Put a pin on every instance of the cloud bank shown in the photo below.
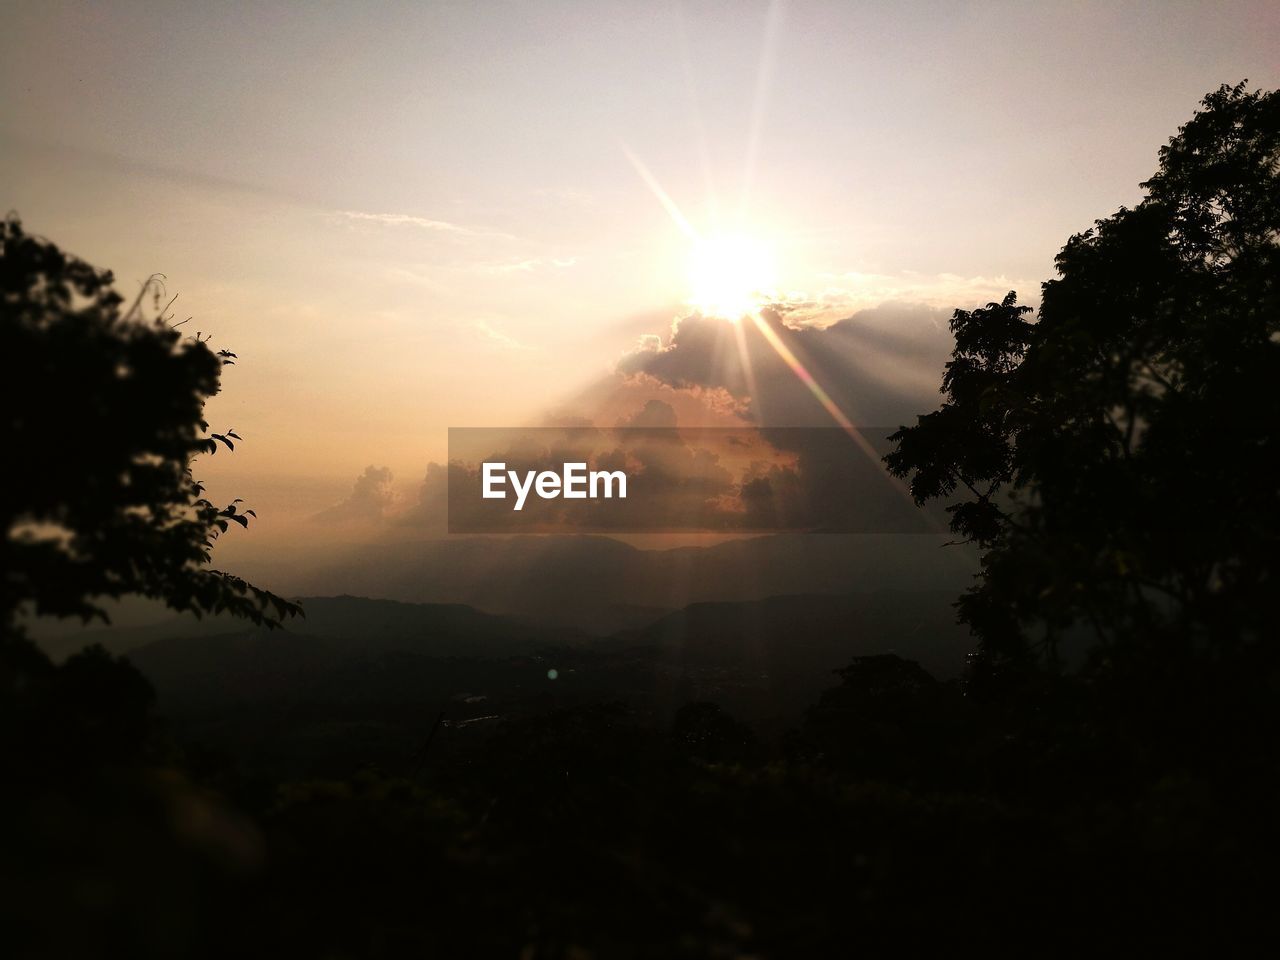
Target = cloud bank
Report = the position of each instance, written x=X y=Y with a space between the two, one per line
x=880 y=366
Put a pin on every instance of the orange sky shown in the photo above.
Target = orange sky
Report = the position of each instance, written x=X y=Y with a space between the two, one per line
x=405 y=218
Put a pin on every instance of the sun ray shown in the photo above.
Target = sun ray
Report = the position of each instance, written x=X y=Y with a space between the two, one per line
x=748 y=371
x=804 y=376
x=732 y=275
x=695 y=117
x=663 y=197
x=831 y=407
x=764 y=75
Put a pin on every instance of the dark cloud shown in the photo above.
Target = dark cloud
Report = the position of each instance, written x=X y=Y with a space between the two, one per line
x=655 y=413
x=371 y=498
x=880 y=366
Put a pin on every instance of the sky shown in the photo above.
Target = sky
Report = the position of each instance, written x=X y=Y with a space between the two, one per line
x=406 y=217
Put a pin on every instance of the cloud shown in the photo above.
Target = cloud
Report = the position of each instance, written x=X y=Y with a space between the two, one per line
x=371 y=499
x=429 y=514
x=853 y=291
x=423 y=223
x=399 y=219
x=880 y=366
x=497 y=336
x=655 y=413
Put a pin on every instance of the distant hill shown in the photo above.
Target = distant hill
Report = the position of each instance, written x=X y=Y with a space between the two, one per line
x=786 y=632
x=435 y=629
x=361 y=680
x=601 y=585
x=784 y=647
x=356 y=624
x=773 y=657
x=66 y=639
x=357 y=681
x=347 y=649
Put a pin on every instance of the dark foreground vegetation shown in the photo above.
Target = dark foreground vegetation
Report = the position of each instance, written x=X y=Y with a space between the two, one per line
x=1102 y=778
x=899 y=811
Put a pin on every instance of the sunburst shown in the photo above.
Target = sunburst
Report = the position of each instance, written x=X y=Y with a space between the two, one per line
x=730 y=275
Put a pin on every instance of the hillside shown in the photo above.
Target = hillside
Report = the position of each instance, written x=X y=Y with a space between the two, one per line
x=360 y=680
x=601 y=585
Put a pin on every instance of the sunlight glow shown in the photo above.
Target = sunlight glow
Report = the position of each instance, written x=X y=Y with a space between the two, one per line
x=730 y=275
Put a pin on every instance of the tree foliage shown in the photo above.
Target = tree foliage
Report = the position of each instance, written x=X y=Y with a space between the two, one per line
x=1116 y=459
x=103 y=418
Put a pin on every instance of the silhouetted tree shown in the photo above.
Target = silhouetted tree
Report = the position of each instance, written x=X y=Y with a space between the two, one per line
x=102 y=418
x=103 y=415
x=1116 y=459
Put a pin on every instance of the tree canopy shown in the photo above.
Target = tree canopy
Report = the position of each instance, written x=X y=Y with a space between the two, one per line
x=1116 y=458
x=103 y=418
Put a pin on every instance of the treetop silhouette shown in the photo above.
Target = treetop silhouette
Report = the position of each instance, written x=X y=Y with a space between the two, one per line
x=103 y=418
x=1116 y=457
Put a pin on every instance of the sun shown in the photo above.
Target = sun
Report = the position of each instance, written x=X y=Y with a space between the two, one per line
x=730 y=275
